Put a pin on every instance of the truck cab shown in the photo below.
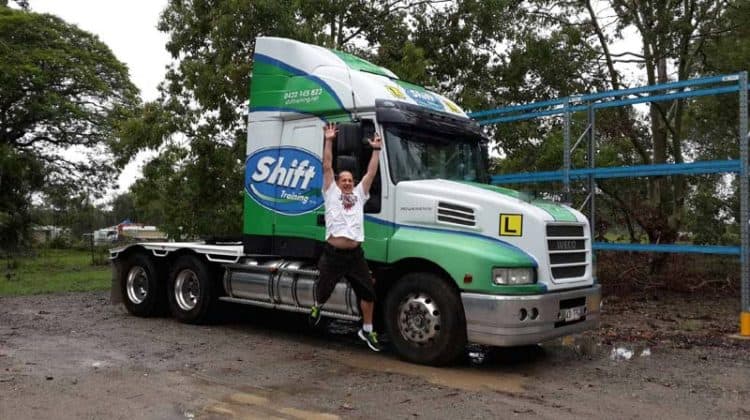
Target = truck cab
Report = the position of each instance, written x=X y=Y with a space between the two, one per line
x=456 y=260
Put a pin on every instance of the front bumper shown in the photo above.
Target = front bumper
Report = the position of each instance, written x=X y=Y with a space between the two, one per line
x=495 y=320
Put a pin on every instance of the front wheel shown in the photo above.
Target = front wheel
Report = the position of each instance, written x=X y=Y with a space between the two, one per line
x=191 y=290
x=425 y=319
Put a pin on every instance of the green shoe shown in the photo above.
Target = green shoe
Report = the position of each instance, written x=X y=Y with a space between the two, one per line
x=371 y=339
x=314 y=318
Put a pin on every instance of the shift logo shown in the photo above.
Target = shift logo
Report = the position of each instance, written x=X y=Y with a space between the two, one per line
x=425 y=99
x=286 y=179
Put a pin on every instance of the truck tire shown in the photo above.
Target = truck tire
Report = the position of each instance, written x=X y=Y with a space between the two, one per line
x=142 y=290
x=191 y=290
x=425 y=320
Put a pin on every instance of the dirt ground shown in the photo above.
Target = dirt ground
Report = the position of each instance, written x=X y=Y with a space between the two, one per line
x=76 y=356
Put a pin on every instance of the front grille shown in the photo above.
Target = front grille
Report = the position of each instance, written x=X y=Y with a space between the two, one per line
x=573 y=257
x=564 y=230
x=567 y=272
x=568 y=255
x=455 y=214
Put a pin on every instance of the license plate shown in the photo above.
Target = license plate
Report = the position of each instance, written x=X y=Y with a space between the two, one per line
x=572 y=314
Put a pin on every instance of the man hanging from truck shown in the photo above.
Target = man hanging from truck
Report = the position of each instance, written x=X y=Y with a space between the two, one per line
x=342 y=254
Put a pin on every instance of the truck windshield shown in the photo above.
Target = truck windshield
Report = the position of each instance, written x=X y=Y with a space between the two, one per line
x=414 y=155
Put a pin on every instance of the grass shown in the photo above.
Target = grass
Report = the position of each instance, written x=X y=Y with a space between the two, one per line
x=52 y=271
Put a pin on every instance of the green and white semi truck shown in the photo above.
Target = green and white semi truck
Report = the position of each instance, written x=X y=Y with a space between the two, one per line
x=455 y=259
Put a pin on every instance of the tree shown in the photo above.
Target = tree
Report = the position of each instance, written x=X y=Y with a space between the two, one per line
x=713 y=127
x=62 y=94
x=123 y=208
x=675 y=37
x=678 y=40
x=20 y=176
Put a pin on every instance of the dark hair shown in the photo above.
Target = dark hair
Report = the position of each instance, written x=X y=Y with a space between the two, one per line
x=336 y=176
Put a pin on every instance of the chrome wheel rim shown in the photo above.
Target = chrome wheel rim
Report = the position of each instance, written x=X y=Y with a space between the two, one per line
x=419 y=318
x=187 y=290
x=136 y=285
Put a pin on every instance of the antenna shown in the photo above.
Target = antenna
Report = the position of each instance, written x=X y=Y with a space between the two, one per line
x=355 y=115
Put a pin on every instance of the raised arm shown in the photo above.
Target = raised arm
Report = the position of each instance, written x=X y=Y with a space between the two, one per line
x=372 y=167
x=329 y=136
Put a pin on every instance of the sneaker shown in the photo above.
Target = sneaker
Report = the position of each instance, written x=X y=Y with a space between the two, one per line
x=371 y=339
x=314 y=318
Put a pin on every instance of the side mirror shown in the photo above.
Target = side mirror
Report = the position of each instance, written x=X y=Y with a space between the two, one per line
x=353 y=137
x=368 y=131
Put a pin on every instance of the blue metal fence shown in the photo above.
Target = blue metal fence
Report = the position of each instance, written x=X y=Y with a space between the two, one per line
x=706 y=86
x=607 y=99
x=692 y=168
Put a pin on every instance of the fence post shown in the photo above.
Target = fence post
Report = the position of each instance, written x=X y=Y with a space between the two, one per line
x=592 y=164
x=744 y=208
x=566 y=153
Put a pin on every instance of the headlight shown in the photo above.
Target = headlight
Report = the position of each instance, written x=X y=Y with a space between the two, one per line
x=508 y=276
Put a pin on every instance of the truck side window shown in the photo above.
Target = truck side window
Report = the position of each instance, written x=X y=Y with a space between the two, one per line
x=352 y=153
x=374 y=203
x=348 y=151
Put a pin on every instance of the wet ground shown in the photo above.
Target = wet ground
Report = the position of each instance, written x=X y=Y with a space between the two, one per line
x=75 y=356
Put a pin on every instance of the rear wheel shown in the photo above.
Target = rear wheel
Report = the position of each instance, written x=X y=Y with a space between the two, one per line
x=425 y=320
x=191 y=290
x=142 y=291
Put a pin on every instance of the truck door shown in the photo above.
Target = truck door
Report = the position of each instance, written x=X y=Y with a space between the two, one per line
x=298 y=219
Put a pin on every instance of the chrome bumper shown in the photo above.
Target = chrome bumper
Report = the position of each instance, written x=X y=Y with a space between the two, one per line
x=496 y=320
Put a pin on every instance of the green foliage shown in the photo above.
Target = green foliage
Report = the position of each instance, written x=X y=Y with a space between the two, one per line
x=20 y=175
x=123 y=207
x=76 y=213
x=60 y=87
x=59 y=242
x=712 y=126
x=695 y=38
x=205 y=188
x=52 y=271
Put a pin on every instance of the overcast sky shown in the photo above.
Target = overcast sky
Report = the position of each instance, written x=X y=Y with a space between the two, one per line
x=129 y=29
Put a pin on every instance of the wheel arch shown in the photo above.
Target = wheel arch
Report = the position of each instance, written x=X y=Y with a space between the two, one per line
x=387 y=276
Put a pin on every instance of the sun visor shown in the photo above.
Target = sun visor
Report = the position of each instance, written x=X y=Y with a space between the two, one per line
x=402 y=113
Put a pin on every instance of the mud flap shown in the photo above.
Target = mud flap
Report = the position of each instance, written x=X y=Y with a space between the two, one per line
x=115 y=292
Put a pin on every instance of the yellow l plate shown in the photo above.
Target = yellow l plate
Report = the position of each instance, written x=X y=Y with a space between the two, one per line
x=511 y=224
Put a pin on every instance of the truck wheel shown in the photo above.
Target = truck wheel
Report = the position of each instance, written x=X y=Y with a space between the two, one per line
x=425 y=320
x=142 y=291
x=191 y=290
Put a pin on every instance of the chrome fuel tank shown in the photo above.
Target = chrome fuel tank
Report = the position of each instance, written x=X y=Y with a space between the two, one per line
x=286 y=285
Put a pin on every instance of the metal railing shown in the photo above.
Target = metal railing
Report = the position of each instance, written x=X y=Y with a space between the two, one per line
x=590 y=103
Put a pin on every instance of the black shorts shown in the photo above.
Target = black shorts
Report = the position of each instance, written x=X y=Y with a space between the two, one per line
x=335 y=264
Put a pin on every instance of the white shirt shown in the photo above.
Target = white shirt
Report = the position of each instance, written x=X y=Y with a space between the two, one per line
x=345 y=212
